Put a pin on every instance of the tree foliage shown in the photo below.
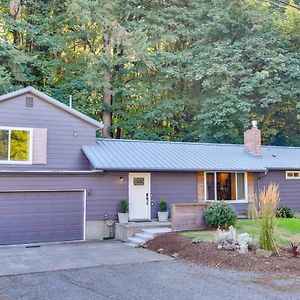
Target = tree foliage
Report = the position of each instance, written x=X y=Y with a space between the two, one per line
x=179 y=70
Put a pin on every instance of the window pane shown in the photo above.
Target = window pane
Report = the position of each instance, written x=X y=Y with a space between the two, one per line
x=210 y=186
x=241 y=186
x=226 y=186
x=19 y=145
x=3 y=144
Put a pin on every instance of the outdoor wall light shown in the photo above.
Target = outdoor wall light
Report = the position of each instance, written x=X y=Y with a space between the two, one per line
x=121 y=178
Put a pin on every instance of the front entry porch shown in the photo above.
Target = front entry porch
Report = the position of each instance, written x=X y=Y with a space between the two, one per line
x=125 y=232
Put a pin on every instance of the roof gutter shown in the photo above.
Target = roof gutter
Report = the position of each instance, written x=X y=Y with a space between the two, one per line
x=50 y=172
x=179 y=170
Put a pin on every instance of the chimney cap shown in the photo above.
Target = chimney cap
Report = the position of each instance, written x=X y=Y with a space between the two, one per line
x=254 y=124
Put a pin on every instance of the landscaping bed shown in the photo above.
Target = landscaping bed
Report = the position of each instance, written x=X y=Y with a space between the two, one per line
x=205 y=253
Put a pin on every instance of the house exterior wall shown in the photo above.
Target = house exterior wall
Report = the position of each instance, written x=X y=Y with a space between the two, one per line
x=174 y=187
x=289 y=188
x=105 y=191
x=64 y=149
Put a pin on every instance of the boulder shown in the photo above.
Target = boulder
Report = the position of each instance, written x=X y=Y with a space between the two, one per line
x=244 y=240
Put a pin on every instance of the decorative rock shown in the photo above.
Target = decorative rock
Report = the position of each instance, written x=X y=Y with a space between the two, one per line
x=260 y=253
x=228 y=246
x=175 y=255
x=229 y=236
x=230 y=240
x=244 y=240
x=252 y=247
x=195 y=241
x=160 y=250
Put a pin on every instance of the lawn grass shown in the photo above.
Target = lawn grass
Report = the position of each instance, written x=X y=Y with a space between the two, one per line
x=287 y=230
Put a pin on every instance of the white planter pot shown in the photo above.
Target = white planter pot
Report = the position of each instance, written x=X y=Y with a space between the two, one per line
x=123 y=218
x=163 y=216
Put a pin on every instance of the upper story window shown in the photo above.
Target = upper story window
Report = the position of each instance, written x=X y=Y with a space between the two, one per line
x=293 y=175
x=15 y=145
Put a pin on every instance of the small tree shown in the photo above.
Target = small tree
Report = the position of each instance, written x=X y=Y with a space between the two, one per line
x=268 y=202
x=124 y=206
x=163 y=205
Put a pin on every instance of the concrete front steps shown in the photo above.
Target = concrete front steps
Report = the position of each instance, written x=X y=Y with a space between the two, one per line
x=146 y=235
x=147 y=230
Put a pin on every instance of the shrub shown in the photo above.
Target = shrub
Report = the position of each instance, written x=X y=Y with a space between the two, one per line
x=294 y=249
x=268 y=202
x=163 y=205
x=220 y=214
x=124 y=206
x=285 y=212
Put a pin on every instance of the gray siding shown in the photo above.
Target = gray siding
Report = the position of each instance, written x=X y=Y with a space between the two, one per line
x=289 y=189
x=241 y=208
x=174 y=187
x=104 y=192
x=64 y=150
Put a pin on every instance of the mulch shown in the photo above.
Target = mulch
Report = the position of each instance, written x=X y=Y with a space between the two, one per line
x=205 y=253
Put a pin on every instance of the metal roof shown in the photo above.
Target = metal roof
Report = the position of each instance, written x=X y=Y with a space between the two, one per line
x=53 y=101
x=132 y=155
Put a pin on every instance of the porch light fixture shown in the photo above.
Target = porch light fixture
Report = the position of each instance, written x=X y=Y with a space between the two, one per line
x=121 y=178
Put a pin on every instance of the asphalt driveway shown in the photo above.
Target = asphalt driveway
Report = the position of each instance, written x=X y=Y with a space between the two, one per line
x=114 y=270
x=151 y=280
x=52 y=257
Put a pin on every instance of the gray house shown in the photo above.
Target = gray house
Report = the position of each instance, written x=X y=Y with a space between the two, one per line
x=58 y=183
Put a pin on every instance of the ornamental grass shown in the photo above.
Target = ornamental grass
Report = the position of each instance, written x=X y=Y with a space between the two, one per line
x=268 y=203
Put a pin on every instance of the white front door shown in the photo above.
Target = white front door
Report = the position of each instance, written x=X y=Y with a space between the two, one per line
x=139 y=196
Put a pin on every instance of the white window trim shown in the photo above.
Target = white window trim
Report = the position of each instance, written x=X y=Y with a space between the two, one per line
x=292 y=178
x=215 y=186
x=13 y=162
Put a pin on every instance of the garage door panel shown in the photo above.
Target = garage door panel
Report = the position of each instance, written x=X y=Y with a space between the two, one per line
x=28 y=217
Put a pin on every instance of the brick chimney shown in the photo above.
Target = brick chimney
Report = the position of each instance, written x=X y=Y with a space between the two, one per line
x=252 y=140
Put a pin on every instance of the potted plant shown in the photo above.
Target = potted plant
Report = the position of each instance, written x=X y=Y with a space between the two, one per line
x=163 y=211
x=123 y=214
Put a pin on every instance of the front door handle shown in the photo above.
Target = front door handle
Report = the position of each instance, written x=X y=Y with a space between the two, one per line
x=147 y=198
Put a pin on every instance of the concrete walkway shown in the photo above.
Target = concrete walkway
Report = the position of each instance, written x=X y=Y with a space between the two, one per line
x=53 y=257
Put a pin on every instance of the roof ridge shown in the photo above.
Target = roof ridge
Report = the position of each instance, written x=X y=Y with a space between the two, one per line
x=191 y=143
x=166 y=142
x=281 y=147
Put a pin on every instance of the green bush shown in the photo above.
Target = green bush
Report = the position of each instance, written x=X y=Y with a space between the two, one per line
x=124 y=206
x=285 y=212
x=163 y=205
x=220 y=214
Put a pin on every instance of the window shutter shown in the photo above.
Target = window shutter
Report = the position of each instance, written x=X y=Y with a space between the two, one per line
x=39 y=144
